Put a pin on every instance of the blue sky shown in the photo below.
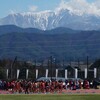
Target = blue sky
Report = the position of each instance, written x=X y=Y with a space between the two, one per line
x=8 y=6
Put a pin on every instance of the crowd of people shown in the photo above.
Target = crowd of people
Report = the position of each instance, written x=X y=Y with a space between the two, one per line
x=58 y=86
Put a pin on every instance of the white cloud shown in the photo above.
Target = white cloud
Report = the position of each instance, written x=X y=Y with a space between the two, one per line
x=80 y=7
x=33 y=8
x=97 y=3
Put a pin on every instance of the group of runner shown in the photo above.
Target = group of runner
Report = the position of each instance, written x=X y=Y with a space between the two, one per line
x=27 y=87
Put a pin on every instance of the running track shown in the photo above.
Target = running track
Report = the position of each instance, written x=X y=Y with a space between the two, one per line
x=81 y=91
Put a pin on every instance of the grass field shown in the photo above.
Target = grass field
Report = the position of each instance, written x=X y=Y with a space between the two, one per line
x=49 y=97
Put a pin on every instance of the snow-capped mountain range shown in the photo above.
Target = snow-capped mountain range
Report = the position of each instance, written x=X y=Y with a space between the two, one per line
x=47 y=20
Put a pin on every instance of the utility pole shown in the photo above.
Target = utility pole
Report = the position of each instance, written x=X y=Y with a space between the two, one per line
x=35 y=63
x=78 y=63
x=63 y=63
x=48 y=65
x=87 y=67
x=55 y=63
x=79 y=67
x=70 y=63
x=51 y=66
x=42 y=68
x=12 y=65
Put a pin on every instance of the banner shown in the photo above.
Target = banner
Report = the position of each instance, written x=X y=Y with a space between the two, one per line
x=76 y=73
x=27 y=73
x=18 y=71
x=66 y=74
x=85 y=73
x=56 y=73
x=46 y=75
x=95 y=73
x=7 y=73
x=36 y=73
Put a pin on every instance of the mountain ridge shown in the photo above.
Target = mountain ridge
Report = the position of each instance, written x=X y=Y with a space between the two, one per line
x=63 y=46
x=12 y=28
x=48 y=20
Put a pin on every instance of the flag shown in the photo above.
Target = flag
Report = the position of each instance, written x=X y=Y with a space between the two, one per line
x=76 y=73
x=85 y=73
x=27 y=73
x=95 y=73
x=56 y=73
x=46 y=75
x=36 y=73
x=7 y=73
x=18 y=71
x=66 y=74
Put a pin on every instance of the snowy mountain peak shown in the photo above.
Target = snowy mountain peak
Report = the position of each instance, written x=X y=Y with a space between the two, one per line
x=47 y=20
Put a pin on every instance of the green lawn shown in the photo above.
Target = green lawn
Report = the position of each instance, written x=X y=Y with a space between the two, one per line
x=49 y=97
